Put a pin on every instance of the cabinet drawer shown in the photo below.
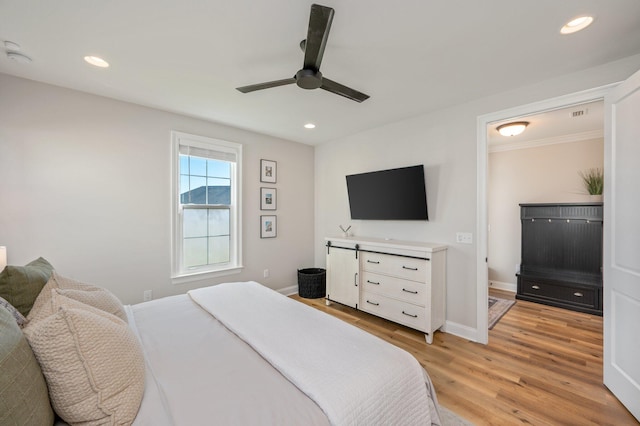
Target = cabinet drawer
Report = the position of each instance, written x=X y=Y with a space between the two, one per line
x=401 y=312
x=397 y=266
x=578 y=296
x=396 y=288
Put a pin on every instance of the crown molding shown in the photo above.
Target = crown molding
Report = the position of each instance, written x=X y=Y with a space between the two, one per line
x=574 y=137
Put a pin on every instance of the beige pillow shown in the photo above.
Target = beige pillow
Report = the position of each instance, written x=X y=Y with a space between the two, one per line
x=92 y=295
x=92 y=363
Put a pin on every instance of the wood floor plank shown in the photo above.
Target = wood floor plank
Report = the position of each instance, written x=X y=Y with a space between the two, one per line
x=542 y=366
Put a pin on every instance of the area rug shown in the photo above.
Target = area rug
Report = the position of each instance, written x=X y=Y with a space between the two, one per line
x=497 y=308
x=449 y=418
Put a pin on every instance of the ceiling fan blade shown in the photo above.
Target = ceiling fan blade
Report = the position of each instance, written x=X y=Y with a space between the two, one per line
x=317 y=35
x=267 y=85
x=339 y=89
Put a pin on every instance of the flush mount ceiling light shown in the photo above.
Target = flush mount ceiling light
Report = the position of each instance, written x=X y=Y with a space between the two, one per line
x=96 y=61
x=576 y=25
x=512 y=129
x=309 y=126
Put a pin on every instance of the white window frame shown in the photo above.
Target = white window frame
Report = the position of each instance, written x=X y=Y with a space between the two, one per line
x=179 y=274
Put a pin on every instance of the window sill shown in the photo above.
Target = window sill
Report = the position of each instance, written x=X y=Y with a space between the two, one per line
x=201 y=276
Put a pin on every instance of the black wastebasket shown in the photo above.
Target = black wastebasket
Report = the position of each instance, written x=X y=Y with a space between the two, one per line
x=312 y=283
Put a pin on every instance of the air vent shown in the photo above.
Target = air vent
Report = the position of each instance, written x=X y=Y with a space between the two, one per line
x=579 y=113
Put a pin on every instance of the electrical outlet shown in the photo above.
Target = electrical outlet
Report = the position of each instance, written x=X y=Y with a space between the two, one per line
x=266 y=273
x=464 y=237
x=147 y=295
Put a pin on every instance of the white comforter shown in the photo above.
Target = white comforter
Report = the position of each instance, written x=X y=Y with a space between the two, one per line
x=200 y=373
x=355 y=377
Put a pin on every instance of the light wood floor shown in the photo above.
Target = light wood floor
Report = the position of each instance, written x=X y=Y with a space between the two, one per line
x=542 y=366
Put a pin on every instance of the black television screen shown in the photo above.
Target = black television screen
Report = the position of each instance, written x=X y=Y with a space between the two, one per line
x=395 y=194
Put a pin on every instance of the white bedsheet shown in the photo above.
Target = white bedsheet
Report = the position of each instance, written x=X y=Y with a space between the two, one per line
x=356 y=378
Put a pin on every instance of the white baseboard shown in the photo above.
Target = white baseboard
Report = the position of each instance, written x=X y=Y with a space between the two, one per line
x=498 y=285
x=460 y=330
x=288 y=291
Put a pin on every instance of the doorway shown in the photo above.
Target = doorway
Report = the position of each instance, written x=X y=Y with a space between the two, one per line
x=485 y=124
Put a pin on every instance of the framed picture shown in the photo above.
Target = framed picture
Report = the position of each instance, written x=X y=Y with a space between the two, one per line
x=268 y=227
x=268 y=199
x=268 y=171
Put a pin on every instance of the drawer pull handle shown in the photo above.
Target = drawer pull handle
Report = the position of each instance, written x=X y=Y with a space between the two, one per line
x=373 y=282
x=411 y=269
x=410 y=315
x=373 y=261
x=373 y=303
x=578 y=294
x=409 y=291
x=535 y=287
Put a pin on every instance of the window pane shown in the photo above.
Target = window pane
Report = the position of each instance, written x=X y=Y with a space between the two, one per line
x=184 y=164
x=218 y=222
x=219 y=191
x=197 y=190
x=184 y=189
x=195 y=252
x=194 y=223
x=217 y=168
x=219 y=249
x=197 y=166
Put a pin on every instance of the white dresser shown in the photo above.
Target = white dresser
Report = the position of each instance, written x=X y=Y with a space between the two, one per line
x=402 y=281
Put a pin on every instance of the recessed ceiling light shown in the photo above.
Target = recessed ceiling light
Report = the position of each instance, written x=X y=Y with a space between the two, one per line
x=309 y=126
x=96 y=61
x=512 y=129
x=576 y=25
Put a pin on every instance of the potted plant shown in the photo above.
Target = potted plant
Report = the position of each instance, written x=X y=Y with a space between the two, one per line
x=593 y=180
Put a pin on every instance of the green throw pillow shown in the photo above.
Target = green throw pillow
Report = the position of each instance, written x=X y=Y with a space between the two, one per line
x=20 y=285
x=24 y=398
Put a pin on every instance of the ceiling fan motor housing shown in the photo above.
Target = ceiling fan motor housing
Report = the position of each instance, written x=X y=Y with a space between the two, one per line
x=308 y=79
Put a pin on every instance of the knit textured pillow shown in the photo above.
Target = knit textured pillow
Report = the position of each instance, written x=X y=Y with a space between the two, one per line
x=92 y=362
x=92 y=295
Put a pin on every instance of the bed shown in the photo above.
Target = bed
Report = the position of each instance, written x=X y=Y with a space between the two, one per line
x=242 y=354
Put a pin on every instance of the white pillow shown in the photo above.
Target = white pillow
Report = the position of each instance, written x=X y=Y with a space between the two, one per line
x=92 y=362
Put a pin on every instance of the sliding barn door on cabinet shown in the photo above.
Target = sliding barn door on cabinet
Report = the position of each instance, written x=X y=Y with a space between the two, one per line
x=342 y=275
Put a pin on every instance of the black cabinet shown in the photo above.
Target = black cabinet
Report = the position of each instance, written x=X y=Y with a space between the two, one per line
x=561 y=263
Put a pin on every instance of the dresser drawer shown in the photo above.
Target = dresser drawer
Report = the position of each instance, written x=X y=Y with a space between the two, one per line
x=397 y=288
x=397 y=266
x=401 y=312
x=566 y=293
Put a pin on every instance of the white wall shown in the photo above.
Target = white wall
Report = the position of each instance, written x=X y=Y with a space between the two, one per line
x=545 y=174
x=445 y=142
x=86 y=184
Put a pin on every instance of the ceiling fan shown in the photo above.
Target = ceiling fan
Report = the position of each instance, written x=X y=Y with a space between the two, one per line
x=310 y=77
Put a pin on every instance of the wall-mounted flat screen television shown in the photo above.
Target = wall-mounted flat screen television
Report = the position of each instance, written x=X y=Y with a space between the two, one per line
x=395 y=194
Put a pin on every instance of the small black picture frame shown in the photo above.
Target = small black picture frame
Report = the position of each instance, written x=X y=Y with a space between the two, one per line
x=268 y=226
x=268 y=198
x=268 y=171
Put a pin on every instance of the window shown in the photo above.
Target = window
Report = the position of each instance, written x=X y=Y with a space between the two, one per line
x=206 y=207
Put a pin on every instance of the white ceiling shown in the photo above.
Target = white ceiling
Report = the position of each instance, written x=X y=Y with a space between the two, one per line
x=411 y=57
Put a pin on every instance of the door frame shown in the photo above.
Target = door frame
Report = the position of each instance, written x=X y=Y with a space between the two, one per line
x=483 y=123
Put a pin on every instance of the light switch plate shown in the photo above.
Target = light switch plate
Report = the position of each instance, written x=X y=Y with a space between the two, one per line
x=464 y=237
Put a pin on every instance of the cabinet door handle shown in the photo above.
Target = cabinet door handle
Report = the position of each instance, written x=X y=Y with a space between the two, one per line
x=411 y=269
x=578 y=294
x=373 y=261
x=410 y=315
x=535 y=287
x=409 y=291
x=373 y=282
x=373 y=303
